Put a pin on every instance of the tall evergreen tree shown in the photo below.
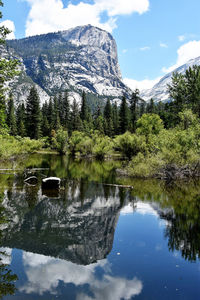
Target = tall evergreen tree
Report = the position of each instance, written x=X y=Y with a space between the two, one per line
x=50 y=114
x=33 y=115
x=11 y=118
x=133 y=108
x=124 y=116
x=21 y=120
x=84 y=108
x=151 y=106
x=108 y=119
x=75 y=120
x=66 y=110
x=56 y=117
x=115 y=119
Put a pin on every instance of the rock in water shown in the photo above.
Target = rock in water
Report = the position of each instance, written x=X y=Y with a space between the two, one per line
x=51 y=183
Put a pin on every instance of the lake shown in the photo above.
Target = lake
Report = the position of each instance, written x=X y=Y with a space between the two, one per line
x=93 y=239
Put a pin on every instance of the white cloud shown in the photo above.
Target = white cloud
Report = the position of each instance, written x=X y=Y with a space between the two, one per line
x=45 y=273
x=146 y=48
x=140 y=84
x=181 y=38
x=186 y=52
x=163 y=45
x=124 y=51
x=11 y=26
x=50 y=15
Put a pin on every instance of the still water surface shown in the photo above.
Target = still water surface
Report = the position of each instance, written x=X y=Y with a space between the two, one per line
x=92 y=240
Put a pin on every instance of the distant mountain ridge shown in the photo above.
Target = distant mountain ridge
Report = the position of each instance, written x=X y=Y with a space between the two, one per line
x=81 y=58
x=159 y=92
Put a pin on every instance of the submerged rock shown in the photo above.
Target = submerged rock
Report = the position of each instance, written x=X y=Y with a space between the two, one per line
x=51 y=183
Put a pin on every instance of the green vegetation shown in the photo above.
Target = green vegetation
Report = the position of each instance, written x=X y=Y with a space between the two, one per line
x=151 y=138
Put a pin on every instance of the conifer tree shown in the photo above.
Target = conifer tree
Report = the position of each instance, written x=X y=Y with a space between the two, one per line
x=11 y=118
x=21 y=119
x=66 y=110
x=108 y=121
x=33 y=115
x=50 y=114
x=56 y=117
x=133 y=108
x=124 y=116
x=84 y=108
x=151 y=106
x=75 y=120
x=115 y=119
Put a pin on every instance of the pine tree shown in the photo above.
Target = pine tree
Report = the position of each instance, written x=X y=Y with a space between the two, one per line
x=56 y=117
x=75 y=120
x=115 y=119
x=66 y=110
x=21 y=119
x=108 y=121
x=151 y=106
x=50 y=114
x=61 y=109
x=142 y=108
x=33 y=115
x=124 y=116
x=84 y=108
x=133 y=108
x=11 y=118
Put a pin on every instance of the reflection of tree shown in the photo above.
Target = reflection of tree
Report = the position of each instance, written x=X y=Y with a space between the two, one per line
x=183 y=231
x=179 y=204
x=7 y=279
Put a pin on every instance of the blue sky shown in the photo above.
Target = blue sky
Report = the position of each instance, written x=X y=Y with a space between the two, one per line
x=153 y=36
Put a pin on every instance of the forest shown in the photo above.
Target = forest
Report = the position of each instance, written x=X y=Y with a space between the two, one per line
x=152 y=138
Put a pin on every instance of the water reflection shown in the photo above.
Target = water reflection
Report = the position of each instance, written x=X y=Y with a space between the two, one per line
x=66 y=239
x=78 y=226
x=44 y=274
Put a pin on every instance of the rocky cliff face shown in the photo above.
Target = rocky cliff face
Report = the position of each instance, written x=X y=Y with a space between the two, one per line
x=82 y=58
x=160 y=91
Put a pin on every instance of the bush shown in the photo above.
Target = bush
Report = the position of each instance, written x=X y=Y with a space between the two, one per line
x=102 y=147
x=130 y=144
x=60 y=141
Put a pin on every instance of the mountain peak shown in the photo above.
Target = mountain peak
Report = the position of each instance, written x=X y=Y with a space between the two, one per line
x=159 y=92
x=80 y=58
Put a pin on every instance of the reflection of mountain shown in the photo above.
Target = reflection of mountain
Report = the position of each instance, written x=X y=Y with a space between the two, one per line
x=79 y=226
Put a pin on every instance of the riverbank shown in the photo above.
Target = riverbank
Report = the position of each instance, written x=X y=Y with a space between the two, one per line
x=12 y=147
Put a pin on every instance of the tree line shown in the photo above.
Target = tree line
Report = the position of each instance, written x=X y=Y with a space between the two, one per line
x=34 y=121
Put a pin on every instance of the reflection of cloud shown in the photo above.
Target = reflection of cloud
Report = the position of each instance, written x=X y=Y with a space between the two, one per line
x=145 y=209
x=128 y=209
x=113 y=288
x=44 y=274
x=5 y=255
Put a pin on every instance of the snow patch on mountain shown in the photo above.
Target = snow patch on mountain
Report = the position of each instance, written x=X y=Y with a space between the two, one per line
x=159 y=92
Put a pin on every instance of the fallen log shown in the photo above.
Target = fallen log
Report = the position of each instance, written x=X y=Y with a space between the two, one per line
x=119 y=185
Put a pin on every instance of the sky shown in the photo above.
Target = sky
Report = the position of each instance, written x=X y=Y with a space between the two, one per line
x=153 y=36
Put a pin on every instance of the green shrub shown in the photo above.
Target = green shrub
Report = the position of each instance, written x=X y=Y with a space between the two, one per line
x=130 y=144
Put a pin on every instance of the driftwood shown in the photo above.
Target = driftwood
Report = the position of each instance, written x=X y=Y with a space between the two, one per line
x=173 y=172
x=119 y=185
